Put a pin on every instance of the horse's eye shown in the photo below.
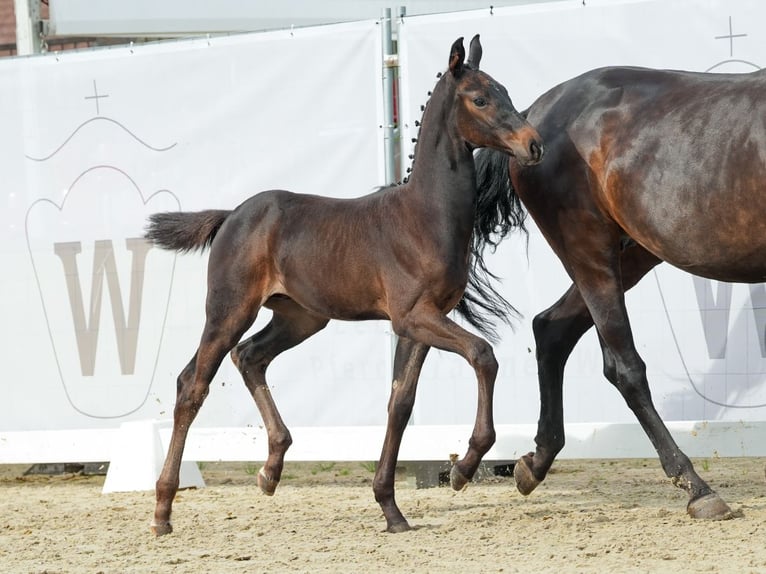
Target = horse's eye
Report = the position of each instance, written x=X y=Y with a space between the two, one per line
x=479 y=102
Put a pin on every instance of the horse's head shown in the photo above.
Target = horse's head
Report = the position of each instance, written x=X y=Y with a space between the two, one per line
x=485 y=114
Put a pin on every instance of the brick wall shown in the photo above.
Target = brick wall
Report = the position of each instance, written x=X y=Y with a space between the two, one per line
x=8 y=33
x=7 y=28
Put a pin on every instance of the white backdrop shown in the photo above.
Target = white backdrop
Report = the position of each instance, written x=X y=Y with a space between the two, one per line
x=704 y=342
x=96 y=328
x=93 y=142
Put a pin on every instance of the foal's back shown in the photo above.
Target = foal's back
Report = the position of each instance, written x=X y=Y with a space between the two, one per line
x=335 y=257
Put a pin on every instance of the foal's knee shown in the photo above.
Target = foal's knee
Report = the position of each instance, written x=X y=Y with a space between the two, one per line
x=482 y=357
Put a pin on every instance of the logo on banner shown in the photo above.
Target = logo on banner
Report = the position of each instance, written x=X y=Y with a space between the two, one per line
x=719 y=332
x=103 y=289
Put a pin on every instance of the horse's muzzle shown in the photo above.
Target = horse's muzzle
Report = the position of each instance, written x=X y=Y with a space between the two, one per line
x=528 y=148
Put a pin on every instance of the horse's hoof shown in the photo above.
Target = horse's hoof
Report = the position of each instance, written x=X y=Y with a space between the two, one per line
x=162 y=528
x=399 y=527
x=456 y=479
x=710 y=507
x=525 y=480
x=266 y=484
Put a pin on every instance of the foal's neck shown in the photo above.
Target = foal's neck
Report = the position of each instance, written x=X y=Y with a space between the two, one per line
x=443 y=167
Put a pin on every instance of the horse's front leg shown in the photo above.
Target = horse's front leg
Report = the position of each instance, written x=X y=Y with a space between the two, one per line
x=557 y=330
x=408 y=362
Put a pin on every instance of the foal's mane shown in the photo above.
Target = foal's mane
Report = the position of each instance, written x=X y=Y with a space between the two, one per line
x=498 y=212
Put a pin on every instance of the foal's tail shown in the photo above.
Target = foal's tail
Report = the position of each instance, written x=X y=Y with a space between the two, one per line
x=185 y=231
x=498 y=212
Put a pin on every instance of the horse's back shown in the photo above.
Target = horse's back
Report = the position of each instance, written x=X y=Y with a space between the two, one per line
x=676 y=159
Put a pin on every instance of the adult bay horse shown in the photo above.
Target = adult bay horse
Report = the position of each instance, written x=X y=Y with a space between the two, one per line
x=642 y=166
x=402 y=253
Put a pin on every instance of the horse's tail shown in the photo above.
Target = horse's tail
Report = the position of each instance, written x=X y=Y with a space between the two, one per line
x=185 y=231
x=498 y=212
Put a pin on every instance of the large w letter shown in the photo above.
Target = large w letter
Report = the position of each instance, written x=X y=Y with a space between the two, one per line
x=104 y=265
x=715 y=314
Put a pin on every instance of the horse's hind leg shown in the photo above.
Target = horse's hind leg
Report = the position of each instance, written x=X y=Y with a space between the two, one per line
x=603 y=293
x=408 y=362
x=289 y=326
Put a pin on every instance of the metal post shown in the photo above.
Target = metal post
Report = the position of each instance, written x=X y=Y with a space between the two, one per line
x=27 y=26
x=390 y=63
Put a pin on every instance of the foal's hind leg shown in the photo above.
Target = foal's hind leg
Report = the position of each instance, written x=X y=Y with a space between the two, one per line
x=408 y=362
x=192 y=388
x=289 y=326
x=427 y=325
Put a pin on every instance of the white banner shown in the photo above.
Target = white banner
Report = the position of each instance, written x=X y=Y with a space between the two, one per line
x=703 y=342
x=97 y=325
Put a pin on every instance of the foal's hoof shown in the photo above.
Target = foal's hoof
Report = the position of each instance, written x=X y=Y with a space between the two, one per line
x=399 y=527
x=162 y=528
x=711 y=507
x=525 y=480
x=267 y=485
x=456 y=479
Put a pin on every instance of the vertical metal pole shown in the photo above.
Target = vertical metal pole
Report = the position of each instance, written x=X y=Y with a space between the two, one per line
x=27 y=26
x=390 y=63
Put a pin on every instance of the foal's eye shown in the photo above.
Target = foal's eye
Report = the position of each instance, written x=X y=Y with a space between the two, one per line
x=479 y=102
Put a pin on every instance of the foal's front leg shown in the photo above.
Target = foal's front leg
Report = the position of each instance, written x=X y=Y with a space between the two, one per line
x=427 y=325
x=408 y=362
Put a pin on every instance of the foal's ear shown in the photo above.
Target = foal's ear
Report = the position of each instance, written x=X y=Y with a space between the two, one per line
x=456 y=57
x=474 y=52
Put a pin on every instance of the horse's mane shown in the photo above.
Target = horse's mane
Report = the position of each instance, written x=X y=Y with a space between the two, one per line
x=498 y=212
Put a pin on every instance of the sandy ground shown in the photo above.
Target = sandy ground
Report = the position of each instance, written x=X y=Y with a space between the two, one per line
x=589 y=516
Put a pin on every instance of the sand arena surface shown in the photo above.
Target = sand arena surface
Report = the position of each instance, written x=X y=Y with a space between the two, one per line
x=589 y=516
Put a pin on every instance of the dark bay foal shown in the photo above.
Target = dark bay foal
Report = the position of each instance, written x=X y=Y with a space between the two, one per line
x=402 y=253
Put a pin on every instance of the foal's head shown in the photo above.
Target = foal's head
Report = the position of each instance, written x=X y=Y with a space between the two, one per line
x=485 y=115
